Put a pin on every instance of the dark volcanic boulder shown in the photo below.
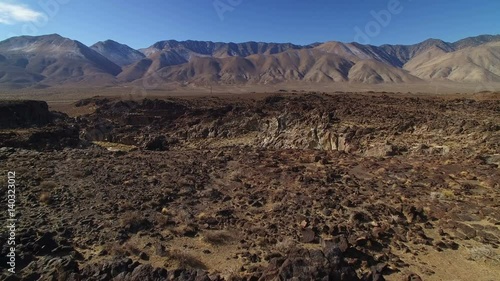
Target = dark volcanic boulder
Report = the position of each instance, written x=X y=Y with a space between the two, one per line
x=159 y=143
x=46 y=138
x=306 y=264
x=23 y=114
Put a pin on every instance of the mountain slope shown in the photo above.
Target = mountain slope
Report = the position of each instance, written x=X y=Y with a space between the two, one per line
x=313 y=65
x=53 y=59
x=190 y=48
x=473 y=64
x=401 y=54
x=273 y=63
x=374 y=72
x=172 y=52
x=118 y=53
x=475 y=41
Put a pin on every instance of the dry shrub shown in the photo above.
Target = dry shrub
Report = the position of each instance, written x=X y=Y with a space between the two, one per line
x=160 y=220
x=217 y=237
x=130 y=218
x=135 y=221
x=45 y=198
x=127 y=206
x=483 y=253
x=115 y=249
x=48 y=185
x=186 y=260
x=77 y=174
x=21 y=171
x=286 y=246
x=447 y=194
x=132 y=249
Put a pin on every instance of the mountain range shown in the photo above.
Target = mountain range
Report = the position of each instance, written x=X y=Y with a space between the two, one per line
x=49 y=60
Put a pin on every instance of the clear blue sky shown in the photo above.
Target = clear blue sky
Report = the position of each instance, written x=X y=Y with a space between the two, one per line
x=140 y=23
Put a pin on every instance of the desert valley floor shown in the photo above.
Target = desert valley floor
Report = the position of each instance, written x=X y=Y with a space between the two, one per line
x=275 y=186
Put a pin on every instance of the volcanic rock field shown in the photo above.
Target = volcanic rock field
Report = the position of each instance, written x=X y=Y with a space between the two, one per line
x=285 y=186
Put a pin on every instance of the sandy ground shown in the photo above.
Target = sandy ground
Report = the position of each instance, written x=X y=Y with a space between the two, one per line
x=69 y=94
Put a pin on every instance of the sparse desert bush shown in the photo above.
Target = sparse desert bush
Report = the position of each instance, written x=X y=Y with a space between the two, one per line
x=186 y=260
x=190 y=230
x=262 y=242
x=286 y=245
x=48 y=185
x=135 y=221
x=115 y=249
x=435 y=195
x=161 y=220
x=129 y=247
x=127 y=205
x=483 y=253
x=235 y=176
x=130 y=218
x=395 y=219
x=447 y=194
x=45 y=198
x=217 y=237
x=21 y=171
x=77 y=174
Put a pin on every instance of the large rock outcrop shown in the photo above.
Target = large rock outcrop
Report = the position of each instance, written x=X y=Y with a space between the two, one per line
x=24 y=114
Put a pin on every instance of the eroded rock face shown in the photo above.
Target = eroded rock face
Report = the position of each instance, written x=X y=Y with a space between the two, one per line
x=30 y=124
x=378 y=126
x=24 y=114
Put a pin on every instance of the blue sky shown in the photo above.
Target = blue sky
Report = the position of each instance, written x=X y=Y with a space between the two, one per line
x=140 y=23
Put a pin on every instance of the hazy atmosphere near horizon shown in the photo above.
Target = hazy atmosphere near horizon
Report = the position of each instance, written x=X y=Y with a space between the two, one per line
x=249 y=140
x=141 y=23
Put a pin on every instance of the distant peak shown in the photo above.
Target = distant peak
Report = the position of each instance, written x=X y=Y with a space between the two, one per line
x=109 y=41
x=432 y=40
x=48 y=36
x=53 y=35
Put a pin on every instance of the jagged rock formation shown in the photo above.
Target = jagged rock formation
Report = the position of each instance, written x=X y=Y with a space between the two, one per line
x=22 y=114
x=40 y=128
